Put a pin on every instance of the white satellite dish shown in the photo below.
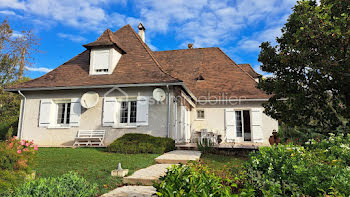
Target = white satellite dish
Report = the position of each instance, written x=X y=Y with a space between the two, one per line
x=159 y=94
x=89 y=99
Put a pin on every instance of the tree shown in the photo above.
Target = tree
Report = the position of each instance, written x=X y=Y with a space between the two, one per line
x=310 y=66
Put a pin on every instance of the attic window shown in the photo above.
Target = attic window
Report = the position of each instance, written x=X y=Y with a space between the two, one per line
x=100 y=61
x=101 y=70
x=199 y=78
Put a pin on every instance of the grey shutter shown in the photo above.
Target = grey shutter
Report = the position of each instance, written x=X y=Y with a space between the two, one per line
x=142 y=110
x=109 y=111
x=75 y=111
x=45 y=112
x=230 y=125
x=257 y=125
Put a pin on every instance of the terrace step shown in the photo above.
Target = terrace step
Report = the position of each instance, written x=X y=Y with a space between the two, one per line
x=178 y=156
x=147 y=176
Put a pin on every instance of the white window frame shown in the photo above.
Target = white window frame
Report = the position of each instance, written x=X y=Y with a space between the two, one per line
x=128 y=123
x=200 y=118
x=93 y=63
x=56 y=103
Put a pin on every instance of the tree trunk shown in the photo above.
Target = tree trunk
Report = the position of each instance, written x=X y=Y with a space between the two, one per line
x=21 y=63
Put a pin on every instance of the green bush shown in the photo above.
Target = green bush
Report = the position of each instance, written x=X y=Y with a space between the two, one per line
x=16 y=161
x=67 y=185
x=192 y=180
x=5 y=127
x=141 y=143
x=292 y=170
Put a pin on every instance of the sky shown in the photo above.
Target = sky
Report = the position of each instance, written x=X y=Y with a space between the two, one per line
x=238 y=27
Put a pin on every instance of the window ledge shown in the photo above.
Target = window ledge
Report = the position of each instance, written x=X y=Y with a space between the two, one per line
x=58 y=127
x=125 y=127
x=200 y=119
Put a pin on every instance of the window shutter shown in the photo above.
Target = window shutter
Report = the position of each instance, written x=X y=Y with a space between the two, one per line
x=230 y=124
x=45 y=111
x=101 y=59
x=75 y=111
x=257 y=125
x=142 y=110
x=109 y=111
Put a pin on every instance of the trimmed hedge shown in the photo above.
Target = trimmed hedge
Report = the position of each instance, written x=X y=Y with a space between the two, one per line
x=141 y=143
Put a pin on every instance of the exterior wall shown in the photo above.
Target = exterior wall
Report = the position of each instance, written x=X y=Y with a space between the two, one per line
x=215 y=118
x=90 y=119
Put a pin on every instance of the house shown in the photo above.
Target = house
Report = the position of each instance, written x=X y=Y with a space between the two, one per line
x=201 y=89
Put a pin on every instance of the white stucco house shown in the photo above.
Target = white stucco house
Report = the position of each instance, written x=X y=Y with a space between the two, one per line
x=204 y=90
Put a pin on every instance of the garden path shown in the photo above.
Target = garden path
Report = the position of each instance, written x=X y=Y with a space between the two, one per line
x=148 y=175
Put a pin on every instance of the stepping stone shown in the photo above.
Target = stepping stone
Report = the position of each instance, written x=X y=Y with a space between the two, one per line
x=178 y=156
x=142 y=191
x=147 y=176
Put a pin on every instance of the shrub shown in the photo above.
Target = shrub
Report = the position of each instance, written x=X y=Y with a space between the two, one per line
x=16 y=160
x=291 y=170
x=67 y=185
x=7 y=128
x=206 y=146
x=141 y=143
x=192 y=180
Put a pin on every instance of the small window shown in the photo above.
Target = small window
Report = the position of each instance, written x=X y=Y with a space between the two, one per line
x=63 y=113
x=128 y=112
x=101 y=70
x=200 y=114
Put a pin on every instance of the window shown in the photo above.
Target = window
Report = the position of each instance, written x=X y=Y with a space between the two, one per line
x=63 y=113
x=128 y=112
x=200 y=114
x=101 y=70
x=243 y=124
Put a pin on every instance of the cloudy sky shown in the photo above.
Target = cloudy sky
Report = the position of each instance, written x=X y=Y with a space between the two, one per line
x=237 y=26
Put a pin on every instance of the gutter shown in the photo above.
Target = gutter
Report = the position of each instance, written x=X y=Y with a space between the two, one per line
x=22 y=108
x=228 y=100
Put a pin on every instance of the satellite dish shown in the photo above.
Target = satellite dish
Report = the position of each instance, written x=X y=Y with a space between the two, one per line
x=89 y=99
x=159 y=94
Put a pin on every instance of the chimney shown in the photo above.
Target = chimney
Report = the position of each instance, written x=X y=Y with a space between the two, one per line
x=190 y=46
x=142 y=30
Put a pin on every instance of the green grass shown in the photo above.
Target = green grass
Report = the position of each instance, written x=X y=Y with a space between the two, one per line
x=93 y=164
x=223 y=165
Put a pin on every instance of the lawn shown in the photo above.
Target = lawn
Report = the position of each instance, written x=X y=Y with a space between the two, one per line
x=223 y=165
x=94 y=164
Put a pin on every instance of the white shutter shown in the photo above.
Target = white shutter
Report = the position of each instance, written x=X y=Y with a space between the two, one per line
x=75 y=111
x=257 y=125
x=183 y=123
x=46 y=106
x=109 y=111
x=101 y=59
x=142 y=110
x=230 y=125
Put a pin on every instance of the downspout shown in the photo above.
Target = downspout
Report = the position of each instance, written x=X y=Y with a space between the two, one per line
x=20 y=124
x=168 y=117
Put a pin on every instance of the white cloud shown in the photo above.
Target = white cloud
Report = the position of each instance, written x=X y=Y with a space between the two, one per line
x=38 y=69
x=16 y=34
x=14 y=4
x=8 y=12
x=74 y=38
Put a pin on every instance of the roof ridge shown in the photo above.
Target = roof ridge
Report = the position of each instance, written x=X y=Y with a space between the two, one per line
x=251 y=68
x=150 y=52
x=234 y=63
x=186 y=49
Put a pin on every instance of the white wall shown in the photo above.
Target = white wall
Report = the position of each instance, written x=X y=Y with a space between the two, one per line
x=215 y=118
x=90 y=118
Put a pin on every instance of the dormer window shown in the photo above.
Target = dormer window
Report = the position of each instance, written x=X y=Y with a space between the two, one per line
x=105 y=53
x=100 y=61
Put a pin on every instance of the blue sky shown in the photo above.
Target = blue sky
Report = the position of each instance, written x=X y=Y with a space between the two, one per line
x=237 y=27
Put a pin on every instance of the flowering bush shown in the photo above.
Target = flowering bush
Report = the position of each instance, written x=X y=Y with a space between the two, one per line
x=16 y=161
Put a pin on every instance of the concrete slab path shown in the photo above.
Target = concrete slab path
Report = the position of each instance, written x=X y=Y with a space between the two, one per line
x=147 y=176
x=178 y=156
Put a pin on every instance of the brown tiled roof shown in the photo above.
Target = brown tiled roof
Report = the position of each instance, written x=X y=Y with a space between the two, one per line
x=249 y=69
x=106 y=39
x=136 y=66
x=223 y=78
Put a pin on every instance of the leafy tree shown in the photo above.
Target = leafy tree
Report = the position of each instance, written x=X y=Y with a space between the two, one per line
x=311 y=67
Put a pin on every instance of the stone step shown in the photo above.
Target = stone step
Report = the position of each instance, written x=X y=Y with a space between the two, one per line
x=147 y=176
x=178 y=156
x=139 y=191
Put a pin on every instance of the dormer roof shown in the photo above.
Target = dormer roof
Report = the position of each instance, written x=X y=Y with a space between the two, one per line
x=106 y=39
